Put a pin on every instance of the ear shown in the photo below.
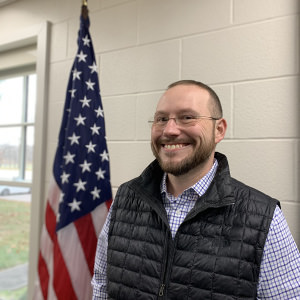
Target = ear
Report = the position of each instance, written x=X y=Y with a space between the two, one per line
x=220 y=130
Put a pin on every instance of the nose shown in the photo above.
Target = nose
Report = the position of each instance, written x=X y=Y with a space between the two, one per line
x=171 y=127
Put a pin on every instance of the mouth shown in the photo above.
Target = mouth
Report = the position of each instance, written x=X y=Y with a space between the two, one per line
x=174 y=146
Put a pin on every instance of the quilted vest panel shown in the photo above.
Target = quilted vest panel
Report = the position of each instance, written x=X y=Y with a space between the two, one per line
x=216 y=253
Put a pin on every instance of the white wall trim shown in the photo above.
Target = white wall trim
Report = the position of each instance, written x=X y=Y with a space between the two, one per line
x=39 y=35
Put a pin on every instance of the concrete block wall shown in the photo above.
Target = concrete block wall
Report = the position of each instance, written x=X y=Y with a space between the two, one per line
x=247 y=50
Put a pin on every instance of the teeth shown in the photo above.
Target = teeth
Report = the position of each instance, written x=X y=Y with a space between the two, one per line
x=177 y=146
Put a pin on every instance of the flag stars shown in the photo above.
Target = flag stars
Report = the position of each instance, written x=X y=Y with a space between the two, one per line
x=96 y=193
x=93 y=68
x=90 y=84
x=80 y=120
x=95 y=129
x=86 y=41
x=99 y=112
x=81 y=56
x=64 y=179
x=76 y=74
x=58 y=217
x=85 y=166
x=75 y=205
x=74 y=139
x=104 y=156
x=91 y=147
x=73 y=91
x=100 y=174
x=85 y=102
x=80 y=185
x=61 y=198
x=82 y=177
x=69 y=158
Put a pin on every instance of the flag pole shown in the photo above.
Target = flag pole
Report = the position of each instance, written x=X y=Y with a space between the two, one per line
x=84 y=9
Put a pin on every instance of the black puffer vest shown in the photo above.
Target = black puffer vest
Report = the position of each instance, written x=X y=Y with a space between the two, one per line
x=217 y=250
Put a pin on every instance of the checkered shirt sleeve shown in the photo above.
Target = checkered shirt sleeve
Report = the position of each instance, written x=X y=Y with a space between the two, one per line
x=279 y=276
x=99 y=278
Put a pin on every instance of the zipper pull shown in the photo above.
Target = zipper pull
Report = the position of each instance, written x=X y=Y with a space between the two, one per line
x=161 y=290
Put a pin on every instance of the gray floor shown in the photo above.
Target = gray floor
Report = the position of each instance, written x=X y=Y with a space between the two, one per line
x=13 y=278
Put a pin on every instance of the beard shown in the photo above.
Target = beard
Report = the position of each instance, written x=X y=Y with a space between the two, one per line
x=199 y=157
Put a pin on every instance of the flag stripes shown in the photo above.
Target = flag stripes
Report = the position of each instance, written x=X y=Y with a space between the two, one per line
x=80 y=191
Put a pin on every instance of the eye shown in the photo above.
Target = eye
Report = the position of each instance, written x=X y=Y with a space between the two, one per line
x=187 y=118
x=161 y=119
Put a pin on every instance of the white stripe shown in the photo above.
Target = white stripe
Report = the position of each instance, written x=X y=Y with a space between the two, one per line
x=51 y=292
x=71 y=250
x=46 y=245
x=75 y=261
x=99 y=216
x=54 y=195
x=37 y=292
x=47 y=254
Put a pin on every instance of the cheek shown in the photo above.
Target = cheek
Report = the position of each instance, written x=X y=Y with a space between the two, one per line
x=154 y=135
x=197 y=133
x=202 y=135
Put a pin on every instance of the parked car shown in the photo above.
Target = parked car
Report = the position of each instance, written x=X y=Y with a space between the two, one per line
x=12 y=190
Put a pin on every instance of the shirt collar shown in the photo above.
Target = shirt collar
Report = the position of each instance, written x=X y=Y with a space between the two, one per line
x=199 y=187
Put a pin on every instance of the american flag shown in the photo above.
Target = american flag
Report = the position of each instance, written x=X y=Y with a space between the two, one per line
x=80 y=195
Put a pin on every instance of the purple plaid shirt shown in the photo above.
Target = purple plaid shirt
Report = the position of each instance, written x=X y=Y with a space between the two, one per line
x=279 y=277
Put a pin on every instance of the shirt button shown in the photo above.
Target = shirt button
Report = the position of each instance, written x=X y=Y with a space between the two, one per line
x=178 y=212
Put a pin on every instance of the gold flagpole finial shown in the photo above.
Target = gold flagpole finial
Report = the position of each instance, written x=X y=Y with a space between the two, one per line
x=84 y=9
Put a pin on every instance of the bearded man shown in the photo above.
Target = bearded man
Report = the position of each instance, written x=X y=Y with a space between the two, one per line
x=185 y=229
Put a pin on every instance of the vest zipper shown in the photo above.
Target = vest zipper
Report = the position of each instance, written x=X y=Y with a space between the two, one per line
x=161 y=290
x=163 y=283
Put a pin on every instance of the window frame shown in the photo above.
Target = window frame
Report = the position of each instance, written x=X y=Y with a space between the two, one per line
x=38 y=35
x=25 y=72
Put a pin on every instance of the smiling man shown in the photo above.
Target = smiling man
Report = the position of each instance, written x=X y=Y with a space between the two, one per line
x=187 y=126
x=185 y=229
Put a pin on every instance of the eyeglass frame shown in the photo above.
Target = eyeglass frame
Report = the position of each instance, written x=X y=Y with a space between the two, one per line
x=180 y=119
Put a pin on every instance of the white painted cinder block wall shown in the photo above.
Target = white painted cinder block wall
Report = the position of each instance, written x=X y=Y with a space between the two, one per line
x=248 y=50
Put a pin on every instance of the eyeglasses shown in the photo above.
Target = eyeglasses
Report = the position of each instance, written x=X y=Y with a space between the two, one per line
x=184 y=120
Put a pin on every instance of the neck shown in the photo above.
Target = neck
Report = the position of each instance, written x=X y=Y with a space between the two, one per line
x=176 y=185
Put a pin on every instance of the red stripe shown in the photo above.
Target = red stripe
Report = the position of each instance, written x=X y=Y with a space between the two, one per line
x=50 y=221
x=43 y=275
x=88 y=238
x=42 y=266
x=108 y=203
x=61 y=280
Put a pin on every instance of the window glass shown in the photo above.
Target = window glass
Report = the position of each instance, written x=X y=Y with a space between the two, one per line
x=11 y=100
x=10 y=143
x=17 y=117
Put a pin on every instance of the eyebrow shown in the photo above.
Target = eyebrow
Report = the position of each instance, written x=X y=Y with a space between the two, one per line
x=184 y=111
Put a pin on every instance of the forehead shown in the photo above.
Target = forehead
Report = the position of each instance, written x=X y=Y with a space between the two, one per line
x=184 y=98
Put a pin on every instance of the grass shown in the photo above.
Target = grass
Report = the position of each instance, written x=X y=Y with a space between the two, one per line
x=14 y=233
x=14 y=295
x=14 y=240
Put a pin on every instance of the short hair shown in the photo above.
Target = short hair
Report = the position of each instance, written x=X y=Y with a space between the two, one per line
x=217 y=110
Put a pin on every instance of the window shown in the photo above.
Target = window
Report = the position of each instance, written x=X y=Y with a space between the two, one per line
x=17 y=124
x=30 y=47
x=17 y=112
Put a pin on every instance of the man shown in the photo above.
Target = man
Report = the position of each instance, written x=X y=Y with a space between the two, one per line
x=185 y=229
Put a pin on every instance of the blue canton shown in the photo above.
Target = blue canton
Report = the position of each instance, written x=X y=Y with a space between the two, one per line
x=81 y=166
